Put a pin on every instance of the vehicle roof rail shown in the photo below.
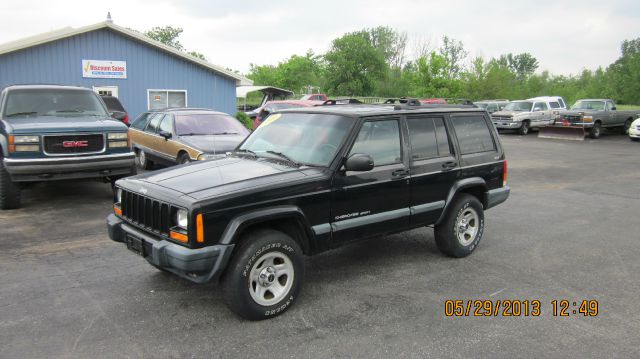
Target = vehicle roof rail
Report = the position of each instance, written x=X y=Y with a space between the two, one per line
x=342 y=101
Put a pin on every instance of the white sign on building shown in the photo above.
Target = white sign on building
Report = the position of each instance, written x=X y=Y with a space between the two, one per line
x=104 y=69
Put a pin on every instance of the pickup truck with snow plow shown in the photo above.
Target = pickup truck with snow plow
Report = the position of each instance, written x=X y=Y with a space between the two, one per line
x=592 y=115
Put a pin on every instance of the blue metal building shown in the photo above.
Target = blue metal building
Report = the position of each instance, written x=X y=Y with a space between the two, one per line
x=143 y=73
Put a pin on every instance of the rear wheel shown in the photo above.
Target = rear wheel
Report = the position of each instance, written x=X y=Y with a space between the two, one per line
x=9 y=191
x=595 y=131
x=142 y=160
x=462 y=227
x=524 y=129
x=264 y=276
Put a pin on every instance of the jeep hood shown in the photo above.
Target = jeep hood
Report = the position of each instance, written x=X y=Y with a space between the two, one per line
x=215 y=144
x=206 y=179
x=53 y=124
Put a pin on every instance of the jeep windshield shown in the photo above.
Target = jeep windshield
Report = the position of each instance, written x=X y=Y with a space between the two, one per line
x=53 y=102
x=588 y=105
x=518 y=106
x=301 y=138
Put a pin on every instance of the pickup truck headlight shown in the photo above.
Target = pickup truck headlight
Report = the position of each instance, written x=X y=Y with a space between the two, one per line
x=182 y=218
x=26 y=139
x=117 y=136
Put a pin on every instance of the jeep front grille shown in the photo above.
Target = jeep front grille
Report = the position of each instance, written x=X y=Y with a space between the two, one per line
x=147 y=213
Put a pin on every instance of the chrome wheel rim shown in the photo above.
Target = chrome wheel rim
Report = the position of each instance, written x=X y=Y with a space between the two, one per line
x=467 y=226
x=271 y=278
x=142 y=158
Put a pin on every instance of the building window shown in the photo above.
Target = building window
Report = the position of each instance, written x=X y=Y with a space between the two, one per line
x=159 y=99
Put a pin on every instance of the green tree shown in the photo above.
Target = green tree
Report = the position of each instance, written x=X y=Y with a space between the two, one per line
x=167 y=35
x=624 y=74
x=454 y=54
x=353 y=66
x=198 y=55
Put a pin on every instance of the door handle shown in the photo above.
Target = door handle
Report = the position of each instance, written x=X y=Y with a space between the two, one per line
x=400 y=173
x=449 y=165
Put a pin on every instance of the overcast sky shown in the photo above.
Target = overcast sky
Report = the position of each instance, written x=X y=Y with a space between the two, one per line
x=565 y=36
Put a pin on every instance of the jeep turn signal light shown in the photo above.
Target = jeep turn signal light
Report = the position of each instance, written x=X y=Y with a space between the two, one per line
x=199 y=229
x=117 y=210
x=504 y=174
x=178 y=237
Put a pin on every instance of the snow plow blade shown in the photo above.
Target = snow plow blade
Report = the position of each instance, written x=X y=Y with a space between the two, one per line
x=573 y=133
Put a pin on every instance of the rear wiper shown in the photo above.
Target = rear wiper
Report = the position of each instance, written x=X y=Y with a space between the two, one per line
x=22 y=113
x=280 y=154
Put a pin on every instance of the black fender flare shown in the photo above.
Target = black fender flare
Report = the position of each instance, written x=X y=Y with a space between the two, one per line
x=4 y=147
x=457 y=187
x=244 y=220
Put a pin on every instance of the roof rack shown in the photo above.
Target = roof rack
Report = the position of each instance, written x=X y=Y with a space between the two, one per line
x=343 y=101
x=404 y=100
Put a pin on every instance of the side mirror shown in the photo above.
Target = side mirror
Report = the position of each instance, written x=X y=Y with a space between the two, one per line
x=165 y=134
x=537 y=109
x=359 y=162
x=119 y=115
x=613 y=108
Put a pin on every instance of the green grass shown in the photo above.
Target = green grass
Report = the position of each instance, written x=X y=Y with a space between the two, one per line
x=628 y=107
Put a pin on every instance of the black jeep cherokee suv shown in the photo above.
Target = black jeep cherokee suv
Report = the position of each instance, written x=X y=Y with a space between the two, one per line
x=308 y=180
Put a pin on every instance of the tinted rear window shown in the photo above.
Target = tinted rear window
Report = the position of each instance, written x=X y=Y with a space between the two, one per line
x=428 y=138
x=473 y=134
x=141 y=121
x=113 y=104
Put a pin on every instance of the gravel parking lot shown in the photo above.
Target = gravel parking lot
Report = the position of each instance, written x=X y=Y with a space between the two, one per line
x=568 y=231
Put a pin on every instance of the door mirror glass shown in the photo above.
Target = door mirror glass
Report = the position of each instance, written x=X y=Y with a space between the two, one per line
x=613 y=108
x=359 y=162
x=537 y=108
x=165 y=134
x=118 y=115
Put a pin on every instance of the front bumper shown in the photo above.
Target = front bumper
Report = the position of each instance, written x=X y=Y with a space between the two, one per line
x=497 y=196
x=60 y=168
x=507 y=124
x=634 y=133
x=199 y=265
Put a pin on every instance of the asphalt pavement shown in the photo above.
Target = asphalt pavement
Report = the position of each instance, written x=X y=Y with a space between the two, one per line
x=569 y=231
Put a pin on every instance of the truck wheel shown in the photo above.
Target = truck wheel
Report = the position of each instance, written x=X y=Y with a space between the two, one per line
x=9 y=191
x=142 y=160
x=524 y=129
x=461 y=230
x=264 y=276
x=595 y=131
x=625 y=128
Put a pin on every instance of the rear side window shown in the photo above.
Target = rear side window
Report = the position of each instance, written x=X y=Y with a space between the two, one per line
x=428 y=138
x=141 y=121
x=380 y=140
x=113 y=104
x=554 y=104
x=473 y=134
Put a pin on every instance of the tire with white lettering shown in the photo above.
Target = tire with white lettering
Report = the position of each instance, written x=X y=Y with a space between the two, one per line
x=264 y=276
x=9 y=191
x=462 y=227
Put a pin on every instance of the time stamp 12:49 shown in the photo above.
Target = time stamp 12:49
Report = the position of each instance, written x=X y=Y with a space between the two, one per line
x=519 y=308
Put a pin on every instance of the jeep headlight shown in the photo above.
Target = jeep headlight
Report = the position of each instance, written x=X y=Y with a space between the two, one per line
x=182 y=218
x=118 y=195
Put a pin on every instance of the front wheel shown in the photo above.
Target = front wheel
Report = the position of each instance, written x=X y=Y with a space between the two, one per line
x=183 y=158
x=625 y=128
x=264 y=276
x=524 y=129
x=9 y=191
x=461 y=230
x=595 y=131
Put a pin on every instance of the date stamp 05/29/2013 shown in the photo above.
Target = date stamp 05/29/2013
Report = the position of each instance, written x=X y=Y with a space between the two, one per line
x=520 y=308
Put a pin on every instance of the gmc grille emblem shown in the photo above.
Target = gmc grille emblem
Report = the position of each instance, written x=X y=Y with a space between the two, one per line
x=72 y=144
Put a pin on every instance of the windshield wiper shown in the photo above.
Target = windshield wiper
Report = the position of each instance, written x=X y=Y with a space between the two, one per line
x=22 y=114
x=193 y=134
x=282 y=155
x=243 y=150
x=225 y=133
x=76 y=111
